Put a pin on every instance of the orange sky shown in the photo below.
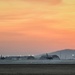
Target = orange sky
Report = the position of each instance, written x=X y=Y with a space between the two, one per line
x=36 y=26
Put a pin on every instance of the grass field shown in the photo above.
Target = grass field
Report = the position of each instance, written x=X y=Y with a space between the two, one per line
x=37 y=69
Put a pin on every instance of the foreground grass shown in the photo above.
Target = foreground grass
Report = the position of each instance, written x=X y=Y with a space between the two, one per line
x=37 y=69
x=35 y=74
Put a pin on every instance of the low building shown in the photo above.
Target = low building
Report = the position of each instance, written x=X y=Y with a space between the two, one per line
x=50 y=57
x=30 y=57
x=55 y=57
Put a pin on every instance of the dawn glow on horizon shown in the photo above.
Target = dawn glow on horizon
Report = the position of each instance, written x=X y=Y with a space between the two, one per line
x=36 y=26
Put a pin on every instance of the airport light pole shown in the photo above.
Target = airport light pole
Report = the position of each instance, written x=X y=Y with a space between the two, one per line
x=60 y=54
x=65 y=57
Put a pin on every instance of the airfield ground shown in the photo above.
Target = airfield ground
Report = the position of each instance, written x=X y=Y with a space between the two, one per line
x=33 y=69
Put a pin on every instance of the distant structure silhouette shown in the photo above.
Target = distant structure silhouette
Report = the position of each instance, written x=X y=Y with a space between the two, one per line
x=50 y=57
x=2 y=58
x=30 y=57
